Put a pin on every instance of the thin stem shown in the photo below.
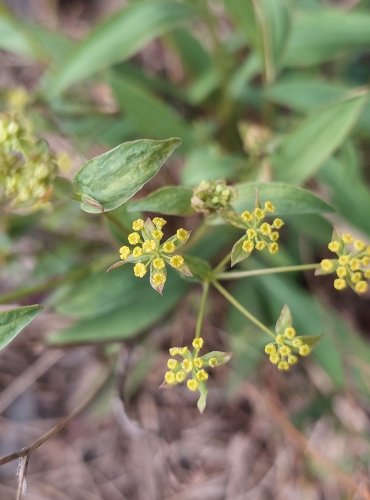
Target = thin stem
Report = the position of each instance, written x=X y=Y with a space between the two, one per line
x=113 y=219
x=242 y=309
x=202 y=309
x=235 y=275
x=222 y=263
x=24 y=452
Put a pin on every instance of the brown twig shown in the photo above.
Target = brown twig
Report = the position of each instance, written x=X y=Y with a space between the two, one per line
x=26 y=452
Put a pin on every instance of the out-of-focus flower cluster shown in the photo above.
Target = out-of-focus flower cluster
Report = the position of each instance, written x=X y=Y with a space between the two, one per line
x=212 y=196
x=352 y=265
x=148 y=252
x=27 y=165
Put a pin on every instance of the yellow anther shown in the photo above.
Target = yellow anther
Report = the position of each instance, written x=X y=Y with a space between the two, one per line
x=343 y=260
x=124 y=252
x=341 y=272
x=273 y=248
x=274 y=358
x=355 y=264
x=187 y=365
x=304 y=350
x=356 y=277
x=157 y=234
x=265 y=228
x=139 y=270
x=149 y=246
x=270 y=349
x=192 y=384
x=158 y=279
x=340 y=284
x=274 y=236
x=198 y=363
x=251 y=233
x=284 y=350
x=183 y=351
x=180 y=376
x=159 y=222
x=361 y=287
x=277 y=223
x=269 y=207
x=334 y=246
x=172 y=363
x=248 y=246
x=327 y=265
x=260 y=245
x=133 y=238
x=177 y=261
x=169 y=247
x=259 y=213
x=247 y=216
x=158 y=263
x=138 y=225
x=283 y=365
x=173 y=351
x=137 y=252
x=289 y=332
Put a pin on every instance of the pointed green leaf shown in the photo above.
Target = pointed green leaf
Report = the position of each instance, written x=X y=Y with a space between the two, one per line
x=220 y=356
x=109 y=180
x=237 y=252
x=169 y=200
x=202 y=401
x=116 y=39
x=303 y=151
x=284 y=321
x=12 y=322
x=310 y=340
x=288 y=200
x=199 y=268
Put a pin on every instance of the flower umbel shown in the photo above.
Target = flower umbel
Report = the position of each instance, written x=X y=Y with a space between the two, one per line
x=352 y=265
x=192 y=368
x=149 y=252
x=212 y=196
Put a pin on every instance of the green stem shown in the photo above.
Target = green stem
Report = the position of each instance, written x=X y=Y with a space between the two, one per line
x=113 y=219
x=202 y=309
x=242 y=309
x=222 y=263
x=235 y=275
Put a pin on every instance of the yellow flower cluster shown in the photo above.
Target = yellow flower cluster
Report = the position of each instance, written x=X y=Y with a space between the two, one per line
x=283 y=351
x=352 y=265
x=148 y=251
x=27 y=166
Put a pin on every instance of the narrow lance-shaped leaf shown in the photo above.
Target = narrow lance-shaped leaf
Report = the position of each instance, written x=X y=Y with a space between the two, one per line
x=202 y=401
x=109 y=180
x=169 y=200
x=284 y=321
x=12 y=322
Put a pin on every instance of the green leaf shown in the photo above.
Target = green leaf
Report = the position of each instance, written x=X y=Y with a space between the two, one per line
x=199 y=268
x=326 y=34
x=237 y=252
x=303 y=151
x=12 y=322
x=150 y=115
x=284 y=321
x=136 y=315
x=109 y=180
x=220 y=356
x=202 y=401
x=117 y=39
x=169 y=200
x=286 y=198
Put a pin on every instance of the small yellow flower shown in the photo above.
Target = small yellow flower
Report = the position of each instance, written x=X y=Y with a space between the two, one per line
x=133 y=238
x=289 y=332
x=356 y=277
x=365 y=261
x=158 y=279
x=258 y=213
x=169 y=247
x=340 y=284
x=183 y=351
x=304 y=350
x=270 y=349
x=170 y=378
x=124 y=252
x=247 y=216
x=182 y=234
x=347 y=238
x=367 y=273
x=265 y=228
x=139 y=270
x=343 y=260
x=297 y=342
x=198 y=363
x=174 y=351
x=355 y=264
x=334 y=246
x=274 y=236
x=280 y=339
x=202 y=375
x=177 y=261
x=277 y=223
x=248 y=246
x=157 y=234
x=212 y=362
x=292 y=360
x=172 y=363
x=273 y=248
x=137 y=252
x=251 y=233
x=187 y=365
x=149 y=246
x=284 y=350
x=274 y=358
x=192 y=384
x=283 y=365
x=269 y=207
x=138 y=225
x=341 y=272
x=180 y=376
x=359 y=245
x=158 y=263
x=260 y=245
x=159 y=222
x=327 y=265
x=361 y=287
x=198 y=343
